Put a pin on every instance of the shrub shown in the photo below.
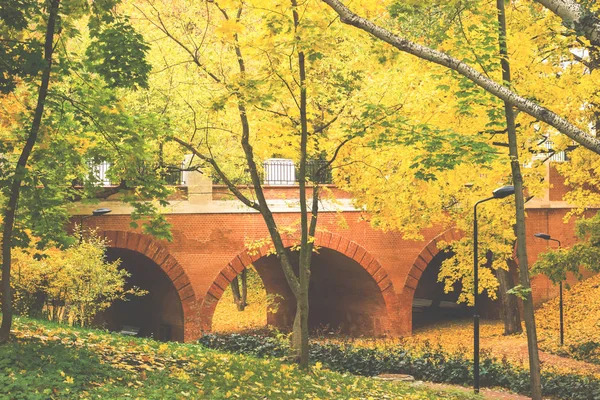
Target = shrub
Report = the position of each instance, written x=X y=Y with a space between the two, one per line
x=587 y=351
x=430 y=363
x=68 y=285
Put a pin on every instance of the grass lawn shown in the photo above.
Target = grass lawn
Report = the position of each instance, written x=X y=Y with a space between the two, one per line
x=48 y=361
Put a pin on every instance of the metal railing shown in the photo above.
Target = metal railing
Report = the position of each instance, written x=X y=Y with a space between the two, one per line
x=549 y=154
x=284 y=172
x=177 y=176
x=280 y=171
x=560 y=156
x=319 y=171
x=276 y=172
x=98 y=174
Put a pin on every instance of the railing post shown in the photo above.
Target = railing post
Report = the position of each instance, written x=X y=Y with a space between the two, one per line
x=199 y=185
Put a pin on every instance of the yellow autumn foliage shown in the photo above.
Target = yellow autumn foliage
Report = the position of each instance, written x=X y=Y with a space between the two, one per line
x=70 y=285
x=227 y=318
x=581 y=317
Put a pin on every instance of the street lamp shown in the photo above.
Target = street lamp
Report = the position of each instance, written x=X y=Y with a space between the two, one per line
x=547 y=237
x=499 y=193
x=95 y=213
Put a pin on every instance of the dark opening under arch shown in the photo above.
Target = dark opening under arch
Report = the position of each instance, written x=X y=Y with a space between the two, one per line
x=159 y=313
x=430 y=303
x=343 y=296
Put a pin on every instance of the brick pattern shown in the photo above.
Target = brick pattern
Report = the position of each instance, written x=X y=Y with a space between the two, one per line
x=557 y=181
x=323 y=240
x=209 y=249
x=425 y=257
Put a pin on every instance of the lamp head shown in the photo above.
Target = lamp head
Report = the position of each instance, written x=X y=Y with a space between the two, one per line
x=503 y=192
x=101 y=211
x=544 y=236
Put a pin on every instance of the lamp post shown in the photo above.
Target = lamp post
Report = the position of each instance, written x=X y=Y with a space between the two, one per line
x=499 y=193
x=547 y=237
x=95 y=213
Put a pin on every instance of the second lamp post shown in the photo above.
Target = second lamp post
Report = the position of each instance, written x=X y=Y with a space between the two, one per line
x=547 y=237
x=499 y=193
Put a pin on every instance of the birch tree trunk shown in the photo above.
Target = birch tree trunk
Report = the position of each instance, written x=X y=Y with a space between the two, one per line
x=532 y=345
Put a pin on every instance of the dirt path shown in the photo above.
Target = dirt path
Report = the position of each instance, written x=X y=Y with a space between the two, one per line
x=485 y=392
x=515 y=348
x=459 y=335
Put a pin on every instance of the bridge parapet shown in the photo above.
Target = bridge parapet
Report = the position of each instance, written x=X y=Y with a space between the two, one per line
x=198 y=189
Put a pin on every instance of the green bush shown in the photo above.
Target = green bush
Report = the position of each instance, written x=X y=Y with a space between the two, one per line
x=587 y=351
x=44 y=361
x=68 y=285
x=430 y=364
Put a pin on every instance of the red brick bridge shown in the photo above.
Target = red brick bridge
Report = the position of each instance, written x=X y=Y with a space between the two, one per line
x=363 y=280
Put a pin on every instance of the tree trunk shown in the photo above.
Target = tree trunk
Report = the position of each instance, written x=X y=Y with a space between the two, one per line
x=244 y=294
x=240 y=297
x=235 y=290
x=534 y=361
x=307 y=229
x=20 y=171
x=510 y=305
x=300 y=330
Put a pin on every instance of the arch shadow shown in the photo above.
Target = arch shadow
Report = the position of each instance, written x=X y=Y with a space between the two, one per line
x=158 y=253
x=430 y=255
x=425 y=257
x=327 y=240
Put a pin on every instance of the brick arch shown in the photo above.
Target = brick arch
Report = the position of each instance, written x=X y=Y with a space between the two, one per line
x=327 y=240
x=158 y=253
x=425 y=257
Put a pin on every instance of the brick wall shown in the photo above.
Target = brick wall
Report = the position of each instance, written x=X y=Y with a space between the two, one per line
x=208 y=250
x=558 y=188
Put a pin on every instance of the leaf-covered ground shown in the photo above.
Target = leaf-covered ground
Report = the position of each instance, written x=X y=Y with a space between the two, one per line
x=227 y=318
x=581 y=321
x=582 y=328
x=46 y=361
x=582 y=325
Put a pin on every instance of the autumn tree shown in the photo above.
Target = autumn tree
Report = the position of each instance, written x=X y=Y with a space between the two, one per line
x=530 y=107
x=574 y=16
x=457 y=109
x=270 y=84
x=36 y=53
x=266 y=84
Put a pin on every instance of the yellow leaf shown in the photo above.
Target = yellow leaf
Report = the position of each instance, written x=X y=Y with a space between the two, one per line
x=230 y=28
